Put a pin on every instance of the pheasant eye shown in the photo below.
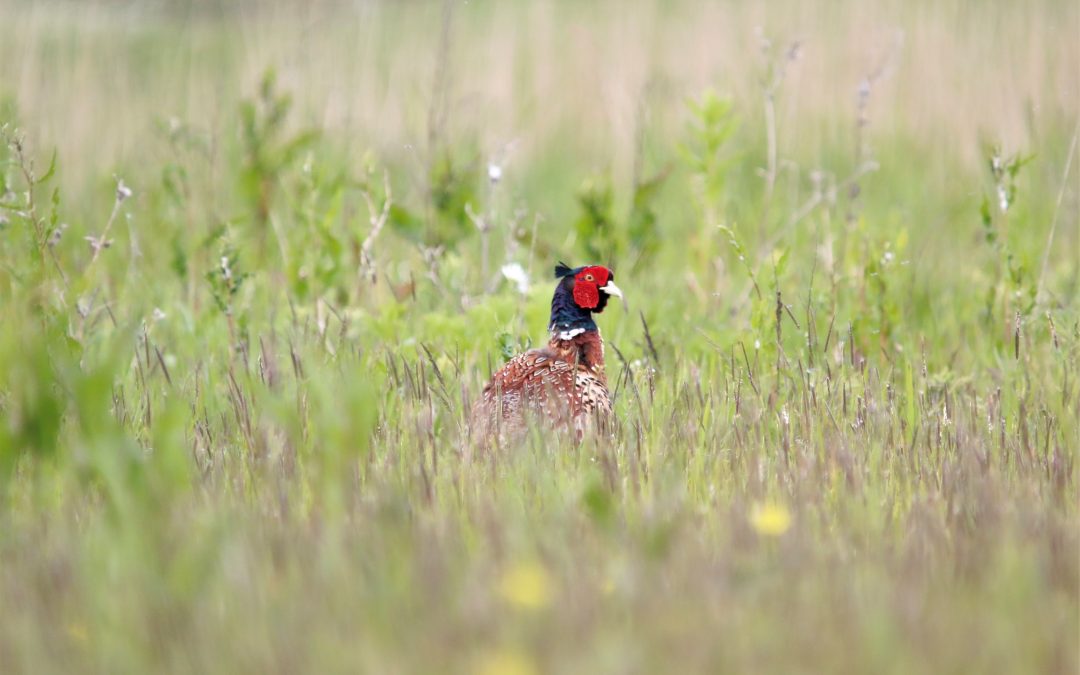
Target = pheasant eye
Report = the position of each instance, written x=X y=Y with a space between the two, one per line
x=589 y=277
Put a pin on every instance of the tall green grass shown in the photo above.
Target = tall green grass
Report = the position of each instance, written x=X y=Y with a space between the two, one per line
x=251 y=272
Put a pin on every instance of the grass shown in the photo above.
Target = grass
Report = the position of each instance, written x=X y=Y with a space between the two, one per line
x=250 y=269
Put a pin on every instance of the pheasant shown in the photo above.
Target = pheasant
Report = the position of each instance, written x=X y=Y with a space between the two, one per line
x=563 y=382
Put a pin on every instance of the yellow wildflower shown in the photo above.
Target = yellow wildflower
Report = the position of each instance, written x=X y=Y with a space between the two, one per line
x=770 y=520
x=526 y=585
x=607 y=586
x=505 y=663
x=77 y=632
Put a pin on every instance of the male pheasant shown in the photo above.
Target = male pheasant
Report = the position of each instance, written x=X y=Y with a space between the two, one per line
x=564 y=382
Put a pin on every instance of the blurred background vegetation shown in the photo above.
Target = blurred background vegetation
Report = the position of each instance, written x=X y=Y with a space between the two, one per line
x=256 y=260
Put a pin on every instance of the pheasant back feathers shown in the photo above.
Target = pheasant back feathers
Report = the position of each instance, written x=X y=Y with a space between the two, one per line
x=545 y=384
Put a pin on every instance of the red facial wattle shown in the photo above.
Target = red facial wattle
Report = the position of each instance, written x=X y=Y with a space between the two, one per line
x=587 y=285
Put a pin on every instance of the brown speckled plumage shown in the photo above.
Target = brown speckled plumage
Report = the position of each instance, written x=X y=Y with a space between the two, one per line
x=564 y=382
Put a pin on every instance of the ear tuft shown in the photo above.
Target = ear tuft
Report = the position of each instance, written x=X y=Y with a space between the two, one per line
x=562 y=270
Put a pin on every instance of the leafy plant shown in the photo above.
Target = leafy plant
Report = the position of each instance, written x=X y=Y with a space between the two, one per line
x=1013 y=287
x=226 y=279
x=607 y=237
x=454 y=184
x=595 y=226
x=268 y=150
x=705 y=150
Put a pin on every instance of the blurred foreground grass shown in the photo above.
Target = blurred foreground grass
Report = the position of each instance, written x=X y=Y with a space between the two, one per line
x=248 y=299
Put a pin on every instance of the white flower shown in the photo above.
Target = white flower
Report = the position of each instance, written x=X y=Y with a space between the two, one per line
x=515 y=273
x=122 y=191
x=494 y=172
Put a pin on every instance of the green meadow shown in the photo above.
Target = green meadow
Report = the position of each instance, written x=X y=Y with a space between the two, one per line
x=258 y=259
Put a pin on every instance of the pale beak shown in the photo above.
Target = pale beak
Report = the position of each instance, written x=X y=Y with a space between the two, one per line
x=612 y=289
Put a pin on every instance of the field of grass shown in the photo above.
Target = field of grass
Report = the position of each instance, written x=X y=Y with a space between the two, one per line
x=257 y=260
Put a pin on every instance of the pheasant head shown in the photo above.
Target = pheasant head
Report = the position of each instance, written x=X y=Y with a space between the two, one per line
x=581 y=292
